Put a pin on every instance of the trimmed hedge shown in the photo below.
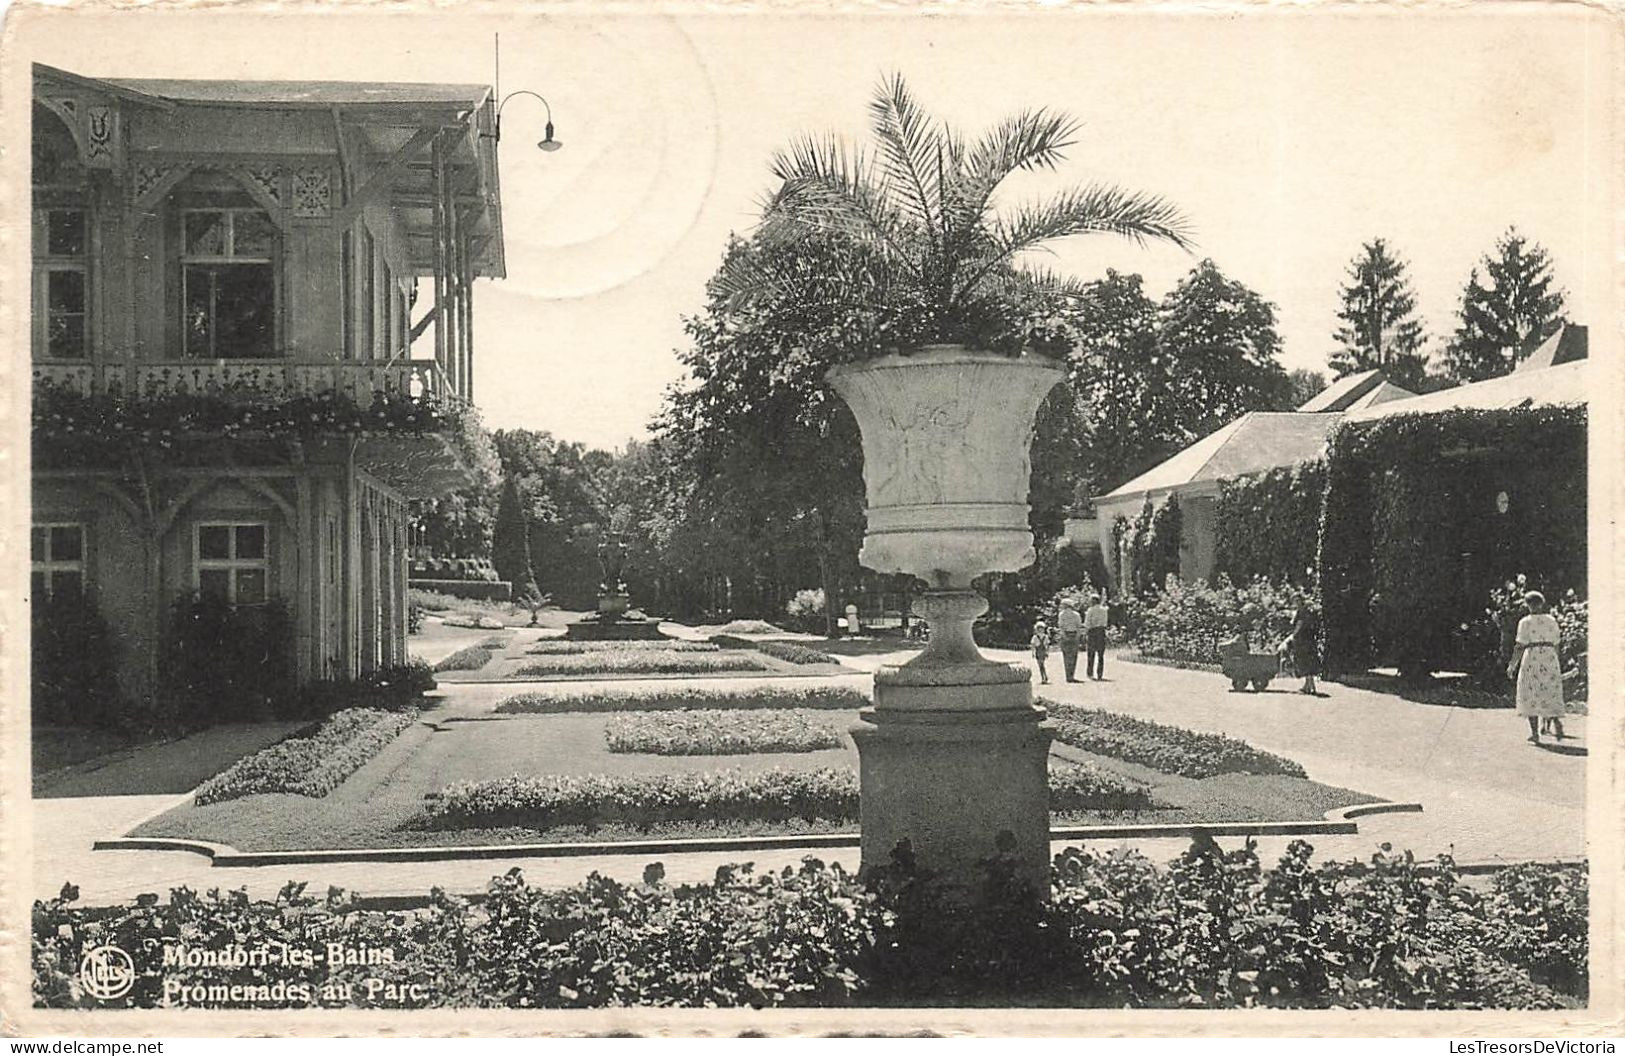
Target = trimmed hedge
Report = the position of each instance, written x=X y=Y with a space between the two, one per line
x=313 y=765
x=647 y=801
x=1208 y=930
x=719 y=732
x=642 y=662
x=686 y=697
x=466 y=589
x=1268 y=524
x=1167 y=748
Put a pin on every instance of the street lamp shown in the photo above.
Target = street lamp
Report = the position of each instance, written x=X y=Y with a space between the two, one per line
x=548 y=143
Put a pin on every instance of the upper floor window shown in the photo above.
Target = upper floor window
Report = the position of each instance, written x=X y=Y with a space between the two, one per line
x=61 y=282
x=56 y=559
x=232 y=562
x=228 y=282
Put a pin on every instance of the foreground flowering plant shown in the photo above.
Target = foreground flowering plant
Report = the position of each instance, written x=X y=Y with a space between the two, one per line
x=1211 y=929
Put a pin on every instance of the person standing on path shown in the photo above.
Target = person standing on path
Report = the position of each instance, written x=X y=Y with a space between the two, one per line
x=1094 y=632
x=1536 y=666
x=1070 y=624
x=1303 y=647
x=1040 y=644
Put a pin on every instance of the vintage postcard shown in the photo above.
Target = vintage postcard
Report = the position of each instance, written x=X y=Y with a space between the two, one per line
x=807 y=519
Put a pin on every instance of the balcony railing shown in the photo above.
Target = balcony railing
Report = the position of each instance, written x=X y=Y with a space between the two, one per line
x=360 y=380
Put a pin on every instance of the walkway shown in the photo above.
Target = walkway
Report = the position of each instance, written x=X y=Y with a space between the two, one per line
x=1486 y=793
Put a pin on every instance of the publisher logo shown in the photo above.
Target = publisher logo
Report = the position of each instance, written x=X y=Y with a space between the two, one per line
x=107 y=972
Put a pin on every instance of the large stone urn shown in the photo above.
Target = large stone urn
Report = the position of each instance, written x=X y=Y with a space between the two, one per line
x=953 y=754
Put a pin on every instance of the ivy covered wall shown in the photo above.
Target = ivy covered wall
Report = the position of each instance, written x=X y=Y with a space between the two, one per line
x=1413 y=532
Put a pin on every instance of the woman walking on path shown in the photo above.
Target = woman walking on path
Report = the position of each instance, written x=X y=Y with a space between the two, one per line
x=1536 y=666
x=1040 y=645
x=1303 y=647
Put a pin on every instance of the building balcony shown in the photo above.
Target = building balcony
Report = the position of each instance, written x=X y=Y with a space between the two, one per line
x=360 y=380
x=398 y=420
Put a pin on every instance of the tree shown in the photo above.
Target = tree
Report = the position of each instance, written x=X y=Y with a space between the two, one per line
x=1120 y=380
x=917 y=246
x=1304 y=385
x=1380 y=329
x=1222 y=352
x=1505 y=314
x=510 y=545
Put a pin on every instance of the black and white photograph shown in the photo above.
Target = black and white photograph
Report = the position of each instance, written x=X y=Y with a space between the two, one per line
x=809 y=519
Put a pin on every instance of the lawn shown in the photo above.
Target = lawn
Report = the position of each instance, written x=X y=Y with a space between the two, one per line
x=384 y=803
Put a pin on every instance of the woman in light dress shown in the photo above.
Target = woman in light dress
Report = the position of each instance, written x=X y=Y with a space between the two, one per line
x=1536 y=666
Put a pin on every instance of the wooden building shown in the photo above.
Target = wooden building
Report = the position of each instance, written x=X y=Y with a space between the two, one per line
x=231 y=280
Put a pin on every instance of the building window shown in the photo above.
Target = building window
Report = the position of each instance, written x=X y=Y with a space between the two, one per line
x=228 y=283
x=232 y=563
x=56 y=559
x=61 y=283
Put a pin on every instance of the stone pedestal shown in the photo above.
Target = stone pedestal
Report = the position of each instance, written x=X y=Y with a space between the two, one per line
x=613 y=604
x=953 y=754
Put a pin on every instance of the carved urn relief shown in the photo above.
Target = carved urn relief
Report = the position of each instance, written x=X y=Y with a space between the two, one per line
x=953 y=756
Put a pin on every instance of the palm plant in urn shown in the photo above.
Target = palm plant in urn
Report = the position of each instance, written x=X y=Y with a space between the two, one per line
x=953 y=753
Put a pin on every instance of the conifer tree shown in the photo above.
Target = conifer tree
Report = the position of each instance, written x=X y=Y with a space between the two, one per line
x=1508 y=307
x=1380 y=330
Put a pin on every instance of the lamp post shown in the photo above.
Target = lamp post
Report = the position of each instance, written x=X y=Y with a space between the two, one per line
x=548 y=143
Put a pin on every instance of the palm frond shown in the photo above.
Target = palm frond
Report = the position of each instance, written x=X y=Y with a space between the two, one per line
x=831 y=275
x=1032 y=139
x=911 y=149
x=825 y=186
x=1094 y=209
x=1097 y=208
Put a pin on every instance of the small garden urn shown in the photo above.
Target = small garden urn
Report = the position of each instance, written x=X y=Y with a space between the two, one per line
x=953 y=754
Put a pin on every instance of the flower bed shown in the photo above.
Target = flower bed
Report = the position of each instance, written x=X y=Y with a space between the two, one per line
x=794 y=654
x=789 y=652
x=831 y=698
x=747 y=627
x=642 y=662
x=468 y=658
x=719 y=732
x=558 y=800
x=1167 y=748
x=1205 y=931
x=313 y=765
x=551 y=647
x=648 y=801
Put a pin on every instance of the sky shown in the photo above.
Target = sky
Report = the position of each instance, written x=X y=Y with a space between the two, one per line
x=1288 y=139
